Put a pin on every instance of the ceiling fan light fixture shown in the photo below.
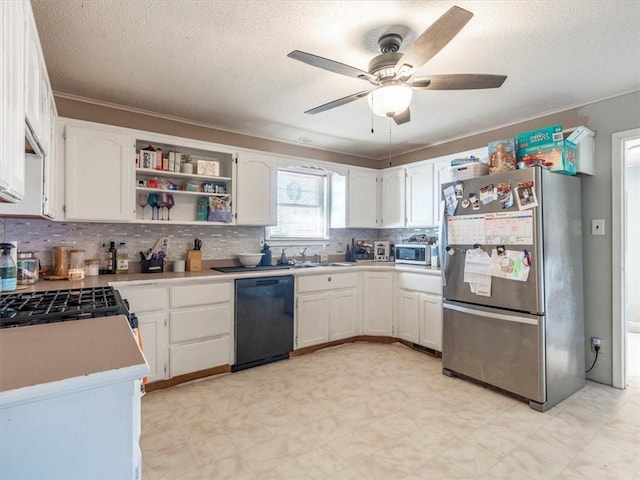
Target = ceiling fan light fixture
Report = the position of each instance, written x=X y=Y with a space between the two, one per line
x=390 y=100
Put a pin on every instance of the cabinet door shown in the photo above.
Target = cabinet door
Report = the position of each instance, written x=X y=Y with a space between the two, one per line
x=99 y=173
x=409 y=316
x=393 y=199
x=344 y=314
x=312 y=319
x=431 y=316
x=362 y=198
x=441 y=175
x=12 y=88
x=255 y=189
x=378 y=303
x=420 y=196
x=32 y=77
x=153 y=333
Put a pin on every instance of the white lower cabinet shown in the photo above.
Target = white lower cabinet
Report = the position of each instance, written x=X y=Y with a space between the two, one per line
x=409 y=316
x=420 y=309
x=200 y=320
x=149 y=304
x=328 y=308
x=378 y=303
x=184 y=328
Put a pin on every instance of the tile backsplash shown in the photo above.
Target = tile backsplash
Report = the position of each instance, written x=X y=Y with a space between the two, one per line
x=218 y=242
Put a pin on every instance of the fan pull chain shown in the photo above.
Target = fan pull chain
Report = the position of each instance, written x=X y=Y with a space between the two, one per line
x=389 y=141
x=372 y=100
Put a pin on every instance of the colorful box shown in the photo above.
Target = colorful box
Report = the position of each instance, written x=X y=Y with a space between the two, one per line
x=502 y=155
x=546 y=147
x=541 y=136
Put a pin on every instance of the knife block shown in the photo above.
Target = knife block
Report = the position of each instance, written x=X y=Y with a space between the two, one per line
x=194 y=260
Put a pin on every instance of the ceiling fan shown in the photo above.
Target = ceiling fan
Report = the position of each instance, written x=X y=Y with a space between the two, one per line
x=390 y=72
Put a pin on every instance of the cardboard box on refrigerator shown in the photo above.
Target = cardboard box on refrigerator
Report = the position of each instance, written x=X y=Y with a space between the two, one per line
x=546 y=147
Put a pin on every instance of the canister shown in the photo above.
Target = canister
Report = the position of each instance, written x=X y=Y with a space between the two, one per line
x=91 y=267
x=76 y=264
x=28 y=268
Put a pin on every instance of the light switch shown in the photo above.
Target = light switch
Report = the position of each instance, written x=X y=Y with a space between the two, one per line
x=597 y=227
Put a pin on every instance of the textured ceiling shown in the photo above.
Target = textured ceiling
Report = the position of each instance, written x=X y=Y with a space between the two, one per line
x=224 y=63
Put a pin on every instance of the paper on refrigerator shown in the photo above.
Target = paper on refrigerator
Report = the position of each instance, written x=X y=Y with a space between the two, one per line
x=476 y=272
x=509 y=265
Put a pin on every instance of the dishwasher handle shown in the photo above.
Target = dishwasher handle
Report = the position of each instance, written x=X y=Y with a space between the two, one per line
x=268 y=281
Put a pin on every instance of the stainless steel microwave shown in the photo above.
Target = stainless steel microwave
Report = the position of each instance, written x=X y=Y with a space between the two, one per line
x=413 y=253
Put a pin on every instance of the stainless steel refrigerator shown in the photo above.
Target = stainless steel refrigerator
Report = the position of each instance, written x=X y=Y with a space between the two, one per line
x=511 y=257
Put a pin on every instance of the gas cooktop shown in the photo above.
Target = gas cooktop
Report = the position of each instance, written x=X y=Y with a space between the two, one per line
x=34 y=308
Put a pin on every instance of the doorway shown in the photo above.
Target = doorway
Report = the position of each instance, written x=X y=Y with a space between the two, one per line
x=626 y=258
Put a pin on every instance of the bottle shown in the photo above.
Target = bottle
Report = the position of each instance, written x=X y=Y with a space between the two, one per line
x=104 y=260
x=8 y=270
x=122 y=256
x=112 y=258
x=266 y=258
x=353 y=250
x=347 y=255
x=283 y=259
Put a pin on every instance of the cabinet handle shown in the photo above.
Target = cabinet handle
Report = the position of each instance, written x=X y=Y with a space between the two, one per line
x=329 y=279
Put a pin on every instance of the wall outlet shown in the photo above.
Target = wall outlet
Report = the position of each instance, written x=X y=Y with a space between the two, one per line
x=595 y=341
x=164 y=245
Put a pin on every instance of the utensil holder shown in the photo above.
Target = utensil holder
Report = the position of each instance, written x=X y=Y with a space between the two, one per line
x=152 y=266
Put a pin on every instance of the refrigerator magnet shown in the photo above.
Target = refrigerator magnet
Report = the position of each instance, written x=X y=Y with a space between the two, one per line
x=475 y=204
x=459 y=189
x=487 y=194
x=465 y=203
x=451 y=200
x=505 y=195
x=526 y=195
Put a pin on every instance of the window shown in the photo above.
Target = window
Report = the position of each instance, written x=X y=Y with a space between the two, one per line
x=302 y=206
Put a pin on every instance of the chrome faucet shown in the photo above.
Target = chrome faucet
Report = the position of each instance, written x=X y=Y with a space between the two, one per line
x=303 y=254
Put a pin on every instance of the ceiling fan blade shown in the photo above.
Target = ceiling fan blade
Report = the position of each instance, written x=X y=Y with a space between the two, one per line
x=339 y=102
x=435 y=38
x=331 y=65
x=458 y=81
x=403 y=117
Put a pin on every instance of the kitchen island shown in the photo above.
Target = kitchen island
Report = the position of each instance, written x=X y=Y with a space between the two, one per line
x=70 y=400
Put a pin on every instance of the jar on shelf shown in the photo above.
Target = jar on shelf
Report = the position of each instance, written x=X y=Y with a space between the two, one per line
x=186 y=166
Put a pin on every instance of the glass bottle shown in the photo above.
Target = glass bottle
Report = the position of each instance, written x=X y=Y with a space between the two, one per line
x=8 y=270
x=122 y=265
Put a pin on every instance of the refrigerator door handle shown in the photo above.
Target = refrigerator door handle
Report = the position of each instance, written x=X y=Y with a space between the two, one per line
x=497 y=316
x=442 y=239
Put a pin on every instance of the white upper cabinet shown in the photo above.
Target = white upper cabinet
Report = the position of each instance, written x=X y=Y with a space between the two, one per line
x=255 y=197
x=392 y=208
x=420 y=196
x=12 y=88
x=99 y=174
x=362 y=198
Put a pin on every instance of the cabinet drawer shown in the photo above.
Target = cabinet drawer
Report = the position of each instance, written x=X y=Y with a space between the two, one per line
x=327 y=282
x=194 y=323
x=421 y=283
x=145 y=299
x=192 y=357
x=192 y=295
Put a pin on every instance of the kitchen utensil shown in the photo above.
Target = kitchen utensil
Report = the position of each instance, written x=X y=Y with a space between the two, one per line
x=152 y=249
x=194 y=260
x=250 y=260
x=197 y=244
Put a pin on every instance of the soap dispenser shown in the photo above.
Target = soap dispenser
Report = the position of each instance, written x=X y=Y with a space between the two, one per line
x=266 y=257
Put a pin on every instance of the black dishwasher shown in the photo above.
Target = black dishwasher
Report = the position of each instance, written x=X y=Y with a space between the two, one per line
x=263 y=320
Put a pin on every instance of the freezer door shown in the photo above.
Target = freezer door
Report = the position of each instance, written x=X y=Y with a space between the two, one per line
x=505 y=293
x=495 y=347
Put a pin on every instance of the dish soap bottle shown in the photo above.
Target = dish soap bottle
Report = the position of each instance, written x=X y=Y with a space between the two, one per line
x=8 y=270
x=266 y=258
x=122 y=264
